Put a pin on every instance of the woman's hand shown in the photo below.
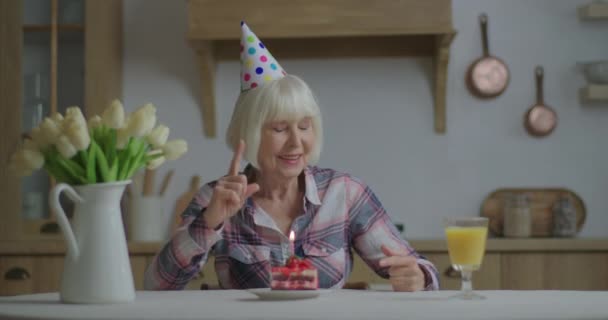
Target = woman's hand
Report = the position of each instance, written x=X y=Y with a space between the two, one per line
x=404 y=271
x=230 y=193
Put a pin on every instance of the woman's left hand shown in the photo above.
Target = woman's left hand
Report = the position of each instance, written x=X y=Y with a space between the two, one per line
x=404 y=271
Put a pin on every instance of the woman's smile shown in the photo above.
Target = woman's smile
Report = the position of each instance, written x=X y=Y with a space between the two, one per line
x=291 y=159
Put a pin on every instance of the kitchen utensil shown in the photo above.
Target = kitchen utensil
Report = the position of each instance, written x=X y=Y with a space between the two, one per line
x=540 y=120
x=488 y=76
x=166 y=181
x=541 y=202
x=517 y=221
x=137 y=187
x=149 y=182
x=183 y=200
x=564 y=218
x=596 y=72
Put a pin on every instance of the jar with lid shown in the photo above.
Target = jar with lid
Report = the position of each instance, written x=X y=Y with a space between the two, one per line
x=564 y=218
x=517 y=219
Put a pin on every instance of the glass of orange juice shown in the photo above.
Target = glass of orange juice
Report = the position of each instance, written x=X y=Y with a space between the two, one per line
x=466 y=238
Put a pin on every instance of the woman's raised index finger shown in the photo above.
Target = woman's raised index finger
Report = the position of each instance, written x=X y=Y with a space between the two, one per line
x=235 y=164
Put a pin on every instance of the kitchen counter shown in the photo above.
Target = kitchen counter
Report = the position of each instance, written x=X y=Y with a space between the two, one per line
x=426 y=245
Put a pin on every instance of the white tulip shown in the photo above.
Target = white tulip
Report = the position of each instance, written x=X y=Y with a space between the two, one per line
x=78 y=135
x=39 y=138
x=158 y=136
x=73 y=114
x=175 y=149
x=58 y=118
x=153 y=164
x=50 y=130
x=94 y=122
x=25 y=161
x=122 y=138
x=114 y=115
x=33 y=159
x=142 y=121
x=65 y=147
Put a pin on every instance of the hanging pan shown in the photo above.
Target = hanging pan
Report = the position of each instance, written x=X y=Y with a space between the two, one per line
x=488 y=76
x=540 y=120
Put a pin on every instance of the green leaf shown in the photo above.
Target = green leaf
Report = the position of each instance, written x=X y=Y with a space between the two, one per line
x=70 y=170
x=112 y=147
x=102 y=163
x=52 y=168
x=124 y=169
x=83 y=158
x=91 y=176
x=138 y=160
x=114 y=170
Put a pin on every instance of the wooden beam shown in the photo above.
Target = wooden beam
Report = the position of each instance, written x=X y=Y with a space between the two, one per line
x=441 y=59
x=11 y=88
x=206 y=59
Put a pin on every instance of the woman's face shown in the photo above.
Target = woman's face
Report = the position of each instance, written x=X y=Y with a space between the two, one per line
x=285 y=147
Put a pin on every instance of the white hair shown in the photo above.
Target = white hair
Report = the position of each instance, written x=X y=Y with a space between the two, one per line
x=287 y=99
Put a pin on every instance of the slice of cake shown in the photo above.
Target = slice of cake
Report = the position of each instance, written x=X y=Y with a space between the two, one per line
x=297 y=274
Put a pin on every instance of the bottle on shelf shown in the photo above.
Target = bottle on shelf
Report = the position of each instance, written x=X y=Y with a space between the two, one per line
x=517 y=217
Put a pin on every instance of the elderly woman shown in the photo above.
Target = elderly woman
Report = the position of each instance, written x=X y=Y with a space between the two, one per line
x=244 y=218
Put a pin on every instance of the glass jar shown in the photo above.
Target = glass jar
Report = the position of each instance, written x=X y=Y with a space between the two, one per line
x=564 y=218
x=517 y=219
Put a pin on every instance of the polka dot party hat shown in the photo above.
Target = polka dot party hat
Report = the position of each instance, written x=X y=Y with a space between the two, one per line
x=258 y=66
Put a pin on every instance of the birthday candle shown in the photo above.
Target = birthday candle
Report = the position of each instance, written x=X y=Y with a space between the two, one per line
x=291 y=241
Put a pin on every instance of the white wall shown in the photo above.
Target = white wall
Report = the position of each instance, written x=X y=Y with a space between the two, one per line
x=378 y=112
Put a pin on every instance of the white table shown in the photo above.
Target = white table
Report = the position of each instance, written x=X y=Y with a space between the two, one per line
x=339 y=304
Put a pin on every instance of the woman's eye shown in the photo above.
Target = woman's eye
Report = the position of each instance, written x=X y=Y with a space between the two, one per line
x=279 y=129
x=304 y=126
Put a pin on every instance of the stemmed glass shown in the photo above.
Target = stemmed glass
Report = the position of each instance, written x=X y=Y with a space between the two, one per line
x=466 y=238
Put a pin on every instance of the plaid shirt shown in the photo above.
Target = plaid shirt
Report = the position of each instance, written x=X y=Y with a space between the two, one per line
x=340 y=214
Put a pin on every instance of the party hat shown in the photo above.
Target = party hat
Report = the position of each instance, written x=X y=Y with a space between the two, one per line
x=258 y=66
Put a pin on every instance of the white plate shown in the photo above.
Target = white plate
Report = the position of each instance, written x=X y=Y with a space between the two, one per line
x=269 y=294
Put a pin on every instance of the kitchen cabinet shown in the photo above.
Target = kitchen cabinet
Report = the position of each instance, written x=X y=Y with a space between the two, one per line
x=31 y=267
x=530 y=264
x=509 y=264
x=55 y=54
x=323 y=29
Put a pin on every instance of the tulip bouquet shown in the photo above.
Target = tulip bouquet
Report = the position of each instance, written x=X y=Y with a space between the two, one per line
x=103 y=149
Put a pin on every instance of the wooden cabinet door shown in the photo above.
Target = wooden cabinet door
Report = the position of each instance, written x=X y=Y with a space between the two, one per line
x=555 y=271
x=486 y=278
x=26 y=275
x=139 y=263
x=363 y=273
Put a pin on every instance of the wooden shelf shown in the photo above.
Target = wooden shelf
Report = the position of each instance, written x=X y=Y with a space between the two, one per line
x=594 y=93
x=323 y=29
x=48 y=27
x=593 y=11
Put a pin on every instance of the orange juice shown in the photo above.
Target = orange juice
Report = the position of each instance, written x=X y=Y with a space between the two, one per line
x=466 y=245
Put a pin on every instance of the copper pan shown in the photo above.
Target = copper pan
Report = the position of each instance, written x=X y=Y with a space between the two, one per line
x=540 y=120
x=488 y=76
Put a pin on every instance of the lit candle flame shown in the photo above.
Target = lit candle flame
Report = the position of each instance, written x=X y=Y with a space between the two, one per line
x=292 y=237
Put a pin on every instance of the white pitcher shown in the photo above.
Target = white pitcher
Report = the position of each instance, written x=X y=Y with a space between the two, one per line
x=97 y=267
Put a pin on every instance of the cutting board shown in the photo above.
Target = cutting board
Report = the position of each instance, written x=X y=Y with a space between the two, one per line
x=184 y=199
x=541 y=205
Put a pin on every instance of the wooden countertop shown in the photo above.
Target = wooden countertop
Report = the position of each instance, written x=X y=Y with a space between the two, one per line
x=430 y=245
x=523 y=245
